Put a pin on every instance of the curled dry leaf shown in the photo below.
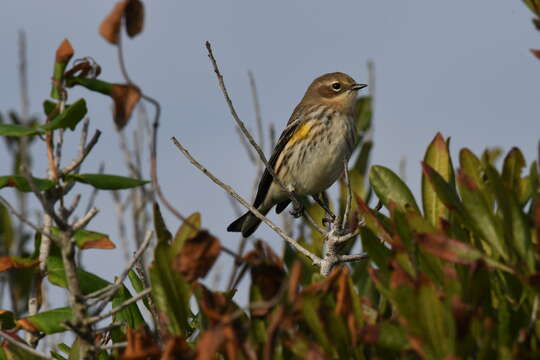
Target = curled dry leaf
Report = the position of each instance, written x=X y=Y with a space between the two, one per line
x=132 y=10
x=134 y=13
x=267 y=271
x=110 y=26
x=64 y=52
x=9 y=262
x=140 y=346
x=209 y=343
x=536 y=52
x=125 y=98
x=198 y=255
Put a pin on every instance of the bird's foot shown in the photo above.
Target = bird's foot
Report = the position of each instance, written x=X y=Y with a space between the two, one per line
x=297 y=211
x=328 y=219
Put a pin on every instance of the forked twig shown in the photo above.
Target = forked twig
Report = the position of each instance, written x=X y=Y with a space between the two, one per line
x=315 y=259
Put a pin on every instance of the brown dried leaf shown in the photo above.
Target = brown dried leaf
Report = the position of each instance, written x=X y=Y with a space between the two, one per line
x=214 y=305
x=369 y=334
x=64 y=52
x=140 y=346
x=134 y=13
x=198 y=255
x=110 y=26
x=209 y=343
x=536 y=53
x=125 y=98
x=177 y=348
x=294 y=279
x=101 y=243
x=27 y=325
x=399 y=276
x=8 y=262
x=267 y=271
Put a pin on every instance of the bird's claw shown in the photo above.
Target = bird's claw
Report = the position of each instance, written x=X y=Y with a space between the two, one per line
x=296 y=212
x=328 y=219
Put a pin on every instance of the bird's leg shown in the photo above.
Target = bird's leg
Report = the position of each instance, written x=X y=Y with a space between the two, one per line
x=298 y=207
x=297 y=211
x=329 y=217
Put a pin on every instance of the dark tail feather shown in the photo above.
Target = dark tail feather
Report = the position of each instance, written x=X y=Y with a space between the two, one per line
x=246 y=224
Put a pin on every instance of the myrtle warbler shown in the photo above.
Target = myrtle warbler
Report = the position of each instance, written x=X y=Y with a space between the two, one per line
x=308 y=157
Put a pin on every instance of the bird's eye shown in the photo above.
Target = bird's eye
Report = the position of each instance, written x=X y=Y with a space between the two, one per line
x=336 y=86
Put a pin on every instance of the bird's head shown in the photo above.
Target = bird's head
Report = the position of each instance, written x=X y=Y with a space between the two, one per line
x=334 y=89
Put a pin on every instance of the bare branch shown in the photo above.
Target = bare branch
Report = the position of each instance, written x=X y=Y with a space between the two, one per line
x=257 y=106
x=83 y=154
x=108 y=292
x=349 y=195
x=245 y=131
x=315 y=259
x=23 y=346
x=95 y=319
x=82 y=222
x=352 y=258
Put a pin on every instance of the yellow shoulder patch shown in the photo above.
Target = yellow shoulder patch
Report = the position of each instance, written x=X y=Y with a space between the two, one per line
x=302 y=132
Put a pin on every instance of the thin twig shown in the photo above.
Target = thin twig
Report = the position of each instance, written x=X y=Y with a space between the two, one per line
x=25 y=220
x=82 y=222
x=245 y=131
x=122 y=306
x=23 y=346
x=93 y=195
x=315 y=259
x=155 y=127
x=349 y=195
x=257 y=106
x=352 y=257
x=108 y=292
x=82 y=155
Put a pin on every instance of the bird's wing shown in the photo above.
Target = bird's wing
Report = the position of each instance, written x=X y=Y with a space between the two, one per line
x=266 y=179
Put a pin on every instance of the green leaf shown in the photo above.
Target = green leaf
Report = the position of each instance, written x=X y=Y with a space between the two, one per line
x=7 y=320
x=69 y=118
x=475 y=169
x=107 y=182
x=170 y=291
x=17 y=130
x=48 y=322
x=188 y=229
x=390 y=188
x=364 y=113
x=163 y=234
x=311 y=317
x=516 y=229
x=85 y=239
x=138 y=286
x=89 y=283
x=6 y=229
x=513 y=164
x=438 y=158
x=481 y=215
x=21 y=184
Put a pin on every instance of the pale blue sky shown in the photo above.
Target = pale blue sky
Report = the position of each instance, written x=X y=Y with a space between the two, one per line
x=460 y=67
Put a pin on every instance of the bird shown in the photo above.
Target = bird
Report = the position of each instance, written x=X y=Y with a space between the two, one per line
x=309 y=155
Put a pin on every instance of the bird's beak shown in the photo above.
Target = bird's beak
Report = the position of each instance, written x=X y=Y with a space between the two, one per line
x=358 y=86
